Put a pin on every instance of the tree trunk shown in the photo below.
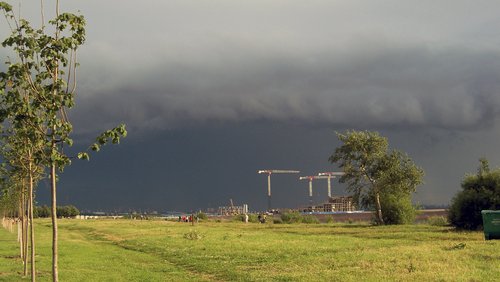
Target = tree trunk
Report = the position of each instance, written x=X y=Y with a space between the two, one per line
x=20 y=225
x=55 y=276
x=24 y=240
x=32 y=229
x=379 y=208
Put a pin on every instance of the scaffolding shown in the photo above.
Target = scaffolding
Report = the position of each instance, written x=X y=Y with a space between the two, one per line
x=334 y=204
x=339 y=204
x=233 y=210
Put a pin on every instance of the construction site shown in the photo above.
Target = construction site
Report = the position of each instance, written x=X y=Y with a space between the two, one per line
x=232 y=209
x=334 y=204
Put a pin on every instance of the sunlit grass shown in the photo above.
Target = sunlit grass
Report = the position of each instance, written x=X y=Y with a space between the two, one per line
x=127 y=250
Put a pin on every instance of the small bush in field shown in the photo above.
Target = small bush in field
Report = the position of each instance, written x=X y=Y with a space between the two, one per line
x=310 y=219
x=239 y=217
x=291 y=217
x=437 y=221
x=480 y=191
x=277 y=220
x=202 y=216
x=193 y=235
x=252 y=217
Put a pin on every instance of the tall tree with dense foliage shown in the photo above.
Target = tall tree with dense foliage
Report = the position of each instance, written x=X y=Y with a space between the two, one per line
x=480 y=191
x=378 y=177
x=37 y=90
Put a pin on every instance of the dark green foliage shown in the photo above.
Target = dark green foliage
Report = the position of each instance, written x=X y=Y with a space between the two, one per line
x=252 y=217
x=62 y=211
x=479 y=192
x=42 y=211
x=397 y=209
x=375 y=174
x=201 y=215
x=67 y=211
x=291 y=217
x=310 y=219
x=296 y=217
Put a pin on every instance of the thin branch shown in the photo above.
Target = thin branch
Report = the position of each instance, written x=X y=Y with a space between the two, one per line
x=8 y=21
x=70 y=66
x=42 y=14
x=74 y=71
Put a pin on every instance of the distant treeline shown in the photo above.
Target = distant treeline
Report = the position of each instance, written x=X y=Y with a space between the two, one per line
x=62 y=211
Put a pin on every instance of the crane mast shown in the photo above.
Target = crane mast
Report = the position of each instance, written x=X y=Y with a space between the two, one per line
x=311 y=178
x=329 y=175
x=269 y=172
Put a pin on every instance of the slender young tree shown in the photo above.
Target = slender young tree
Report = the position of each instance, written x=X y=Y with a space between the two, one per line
x=39 y=88
x=24 y=170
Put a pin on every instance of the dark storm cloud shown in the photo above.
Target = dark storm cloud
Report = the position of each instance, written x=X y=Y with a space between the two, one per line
x=214 y=90
x=167 y=64
x=368 y=86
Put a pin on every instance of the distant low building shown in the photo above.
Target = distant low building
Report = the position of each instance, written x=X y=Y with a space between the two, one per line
x=233 y=210
x=334 y=204
x=340 y=203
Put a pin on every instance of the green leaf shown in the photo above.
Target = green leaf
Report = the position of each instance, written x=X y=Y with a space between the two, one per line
x=95 y=147
x=6 y=7
x=83 y=156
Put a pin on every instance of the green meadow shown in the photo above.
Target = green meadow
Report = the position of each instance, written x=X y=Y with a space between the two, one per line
x=134 y=250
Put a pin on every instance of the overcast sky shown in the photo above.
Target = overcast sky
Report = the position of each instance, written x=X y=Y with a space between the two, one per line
x=213 y=91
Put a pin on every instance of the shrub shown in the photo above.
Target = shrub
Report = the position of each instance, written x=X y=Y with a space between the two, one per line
x=291 y=217
x=201 y=215
x=277 y=220
x=397 y=209
x=239 y=217
x=296 y=217
x=437 y=221
x=466 y=206
x=252 y=217
x=310 y=219
x=62 y=211
x=41 y=211
x=479 y=192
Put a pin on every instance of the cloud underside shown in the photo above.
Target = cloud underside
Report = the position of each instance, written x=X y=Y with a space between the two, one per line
x=362 y=86
x=355 y=64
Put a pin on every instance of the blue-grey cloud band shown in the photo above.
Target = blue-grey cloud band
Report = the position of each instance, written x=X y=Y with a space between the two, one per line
x=412 y=87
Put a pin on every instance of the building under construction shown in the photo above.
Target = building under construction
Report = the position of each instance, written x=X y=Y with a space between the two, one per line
x=233 y=210
x=334 y=204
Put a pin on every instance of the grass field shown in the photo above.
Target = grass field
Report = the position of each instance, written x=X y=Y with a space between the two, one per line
x=127 y=250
